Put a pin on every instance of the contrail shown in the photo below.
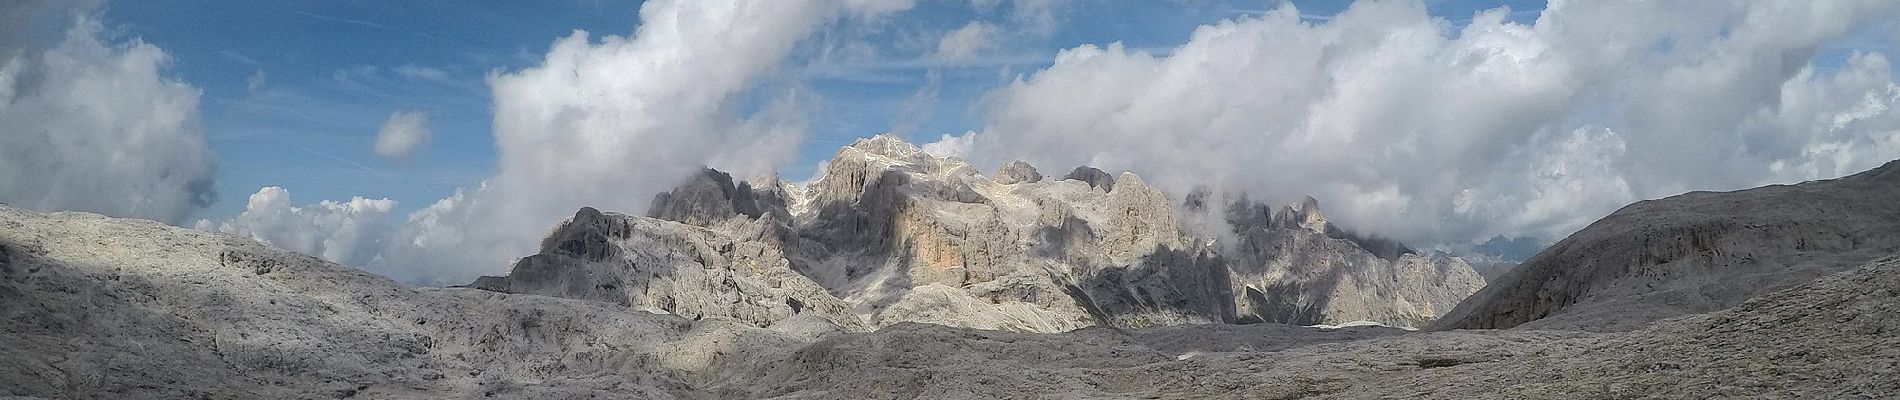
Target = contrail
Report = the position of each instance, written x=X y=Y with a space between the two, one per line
x=343 y=20
x=340 y=159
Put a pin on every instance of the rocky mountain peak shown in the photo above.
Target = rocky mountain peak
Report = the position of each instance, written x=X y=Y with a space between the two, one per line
x=1014 y=172
x=586 y=236
x=885 y=144
x=1308 y=216
x=710 y=197
x=1096 y=178
x=1303 y=215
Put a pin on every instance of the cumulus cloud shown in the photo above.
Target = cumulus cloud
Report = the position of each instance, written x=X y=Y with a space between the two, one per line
x=951 y=146
x=94 y=125
x=347 y=232
x=610 y=121
x=968 y=42
x=1407 y=127
x=402 y=134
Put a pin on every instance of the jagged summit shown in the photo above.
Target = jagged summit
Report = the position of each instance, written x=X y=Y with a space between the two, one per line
x=885 y=144
x=1096 y=178
x=711 y=196
x=895 y=234
x=1017 y=172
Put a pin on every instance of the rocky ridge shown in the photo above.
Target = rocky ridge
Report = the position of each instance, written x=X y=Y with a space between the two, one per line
x=895 y=235
x=1694 y=253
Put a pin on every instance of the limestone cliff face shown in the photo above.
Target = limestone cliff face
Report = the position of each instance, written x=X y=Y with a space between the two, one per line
x=1694 y=253
x=892 y=234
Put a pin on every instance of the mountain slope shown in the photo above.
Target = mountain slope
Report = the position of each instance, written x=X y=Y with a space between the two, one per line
x=99 y=307
x=1693 y=253
x=1831 y=338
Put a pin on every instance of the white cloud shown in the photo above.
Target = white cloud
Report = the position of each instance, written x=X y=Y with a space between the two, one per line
x=347 y=232
x=95 y=126
x=402 y=134
x=1404 y=127
x=968 y=42
x=951 y=146
x=610 y=121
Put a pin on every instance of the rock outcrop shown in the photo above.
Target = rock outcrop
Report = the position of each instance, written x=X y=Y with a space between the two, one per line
x=1017 y=172
x=1096 y=178
x=1694 y=253
x=668 y=267
x=894 y=234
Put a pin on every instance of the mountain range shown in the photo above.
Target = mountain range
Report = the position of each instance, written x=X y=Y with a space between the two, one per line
x=900 y=274
x=891 y=234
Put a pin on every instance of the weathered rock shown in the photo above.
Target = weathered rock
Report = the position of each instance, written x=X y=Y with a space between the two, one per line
x=668 y=267
x=1792 y=343
x=710 y=197
x=1014 y=172
x=1694 y=253
x=1095 y=178
x=119 y=308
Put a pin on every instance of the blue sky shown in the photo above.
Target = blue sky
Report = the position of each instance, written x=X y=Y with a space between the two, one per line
x=294 y=91
x=1442 y=124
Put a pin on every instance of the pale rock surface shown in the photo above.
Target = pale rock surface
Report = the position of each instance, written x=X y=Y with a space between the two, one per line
x=669 y=267
x=1096 y=178
x=1017 y=172
x=1694 y=253
x=898 y=235
x=98 y=307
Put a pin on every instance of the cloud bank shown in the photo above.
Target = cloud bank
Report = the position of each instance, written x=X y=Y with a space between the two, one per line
x=610 y=121
x=402 y=134
x=348 y=232
x=94 y=125
x=1406 y=127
